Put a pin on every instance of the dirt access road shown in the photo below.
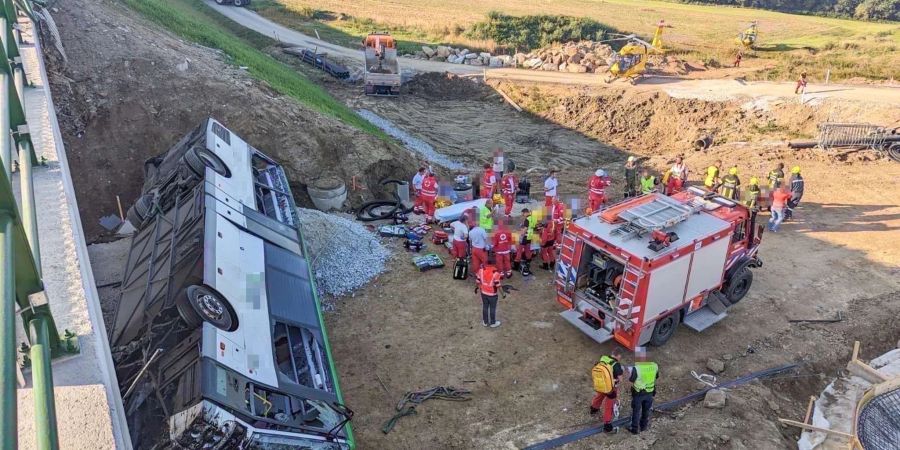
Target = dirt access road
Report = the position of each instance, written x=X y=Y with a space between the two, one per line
x=706 y=89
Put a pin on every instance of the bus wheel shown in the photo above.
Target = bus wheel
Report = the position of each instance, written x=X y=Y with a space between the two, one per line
x=205 y=304
x=199 y=158
x=140 y=211
x=664 y=329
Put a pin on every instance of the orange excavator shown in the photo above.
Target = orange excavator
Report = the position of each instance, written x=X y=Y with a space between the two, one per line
x=382 y=76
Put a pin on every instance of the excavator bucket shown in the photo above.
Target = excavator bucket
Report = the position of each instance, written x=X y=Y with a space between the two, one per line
x=382 y=75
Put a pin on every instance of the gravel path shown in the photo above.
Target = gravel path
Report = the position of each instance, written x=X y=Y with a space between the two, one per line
x=345 y=254
x=413 y=143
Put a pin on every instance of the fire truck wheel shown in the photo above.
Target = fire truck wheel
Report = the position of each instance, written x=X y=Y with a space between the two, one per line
x=738 y=285
x=204 y=304
x=664 y=329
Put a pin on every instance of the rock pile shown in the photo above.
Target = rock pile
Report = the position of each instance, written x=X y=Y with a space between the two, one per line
x=576 y=57
x=452 y=55
x=345 y=255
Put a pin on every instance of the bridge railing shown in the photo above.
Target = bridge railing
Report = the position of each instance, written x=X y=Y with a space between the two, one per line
x=21 y=286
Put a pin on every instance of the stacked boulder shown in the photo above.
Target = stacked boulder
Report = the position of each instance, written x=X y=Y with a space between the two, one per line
x=575 y=57
x=452 y=55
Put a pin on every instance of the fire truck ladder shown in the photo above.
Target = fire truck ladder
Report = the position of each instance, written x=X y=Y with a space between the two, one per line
x=663 y=212
x=627 y=293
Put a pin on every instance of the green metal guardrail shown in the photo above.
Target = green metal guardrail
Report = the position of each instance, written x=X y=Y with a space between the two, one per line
x=20 y=268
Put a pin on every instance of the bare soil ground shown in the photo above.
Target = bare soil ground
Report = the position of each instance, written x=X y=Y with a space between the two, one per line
x=530 y=377
x=130 y=90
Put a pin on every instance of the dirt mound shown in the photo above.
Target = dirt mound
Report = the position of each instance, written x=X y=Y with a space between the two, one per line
x=447 y=86
x=130 y=90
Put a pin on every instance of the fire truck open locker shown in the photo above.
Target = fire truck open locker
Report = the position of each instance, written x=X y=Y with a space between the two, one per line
x=636 y=270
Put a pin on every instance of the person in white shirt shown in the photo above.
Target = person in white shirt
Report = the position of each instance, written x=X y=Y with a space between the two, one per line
x=479 y=239
x=418 y=178
x=460 y=237
x=550 y=185
x=499 y=166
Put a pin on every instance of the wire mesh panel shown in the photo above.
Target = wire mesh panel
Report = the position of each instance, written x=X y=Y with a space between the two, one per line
x=878 y=426
x=833 y=135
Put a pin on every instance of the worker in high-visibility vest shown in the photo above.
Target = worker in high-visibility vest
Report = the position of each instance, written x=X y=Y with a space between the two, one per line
x=776 y=177
x=523 y=251
x=648 y=182
x=730 y=184
x=488 y=278
x=643 y=376
x=711 y=181
x=751 y=197
x=609 y=401
x=486 y=215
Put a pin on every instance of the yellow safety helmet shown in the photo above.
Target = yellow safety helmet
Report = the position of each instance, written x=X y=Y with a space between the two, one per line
x=754 y=180
x=733 y=171
x=795 y=169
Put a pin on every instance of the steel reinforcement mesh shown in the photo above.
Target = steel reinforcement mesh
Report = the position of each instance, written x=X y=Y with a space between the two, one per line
x=878 y=426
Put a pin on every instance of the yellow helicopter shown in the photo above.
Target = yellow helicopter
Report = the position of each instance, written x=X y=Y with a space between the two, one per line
x=748 y=37
x=631 y=60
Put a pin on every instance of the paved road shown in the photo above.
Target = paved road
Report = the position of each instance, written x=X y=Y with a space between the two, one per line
x=708 y=89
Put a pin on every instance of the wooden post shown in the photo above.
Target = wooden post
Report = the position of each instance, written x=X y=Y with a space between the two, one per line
x=809 y=409
x=121 y=214
x=807 y=426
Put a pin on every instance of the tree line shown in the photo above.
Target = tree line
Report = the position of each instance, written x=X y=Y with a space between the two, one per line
x=857 y=9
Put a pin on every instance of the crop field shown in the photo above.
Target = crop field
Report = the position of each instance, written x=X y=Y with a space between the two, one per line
x=849 y=48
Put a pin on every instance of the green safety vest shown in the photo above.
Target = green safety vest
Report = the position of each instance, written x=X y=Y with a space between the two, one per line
x=776 y=177
x=648 y=184
x=752 y=196
x=532 y=224
x=646 y=376
x=485 y=218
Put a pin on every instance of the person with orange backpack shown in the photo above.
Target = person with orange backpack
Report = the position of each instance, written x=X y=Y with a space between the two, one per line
x=606 y=375
x=488 y=278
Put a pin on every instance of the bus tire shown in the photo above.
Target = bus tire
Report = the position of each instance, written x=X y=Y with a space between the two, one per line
x=664 y=329
x=140 y=211
x=202 y=304
x=198 y=159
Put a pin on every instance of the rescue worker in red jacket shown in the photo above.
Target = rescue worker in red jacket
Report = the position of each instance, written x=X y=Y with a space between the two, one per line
x=502 y=245
x=429 y=195
x=488 y=182
x=508 y=188
x=548 y=240
x=488 y=278
x=609 y=401
x=558 y=215
x=597 y=189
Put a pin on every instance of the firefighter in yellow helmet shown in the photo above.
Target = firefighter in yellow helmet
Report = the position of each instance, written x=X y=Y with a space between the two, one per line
x=796 y=186
x=730 y=184
x=751 y=197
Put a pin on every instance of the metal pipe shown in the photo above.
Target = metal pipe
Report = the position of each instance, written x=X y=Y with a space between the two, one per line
x=5 y=147
x=42 y=384
x=28 y=210
x=8 y=358
x=19 y=81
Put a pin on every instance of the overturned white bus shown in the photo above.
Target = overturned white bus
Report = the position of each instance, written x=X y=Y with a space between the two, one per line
x=218 y=329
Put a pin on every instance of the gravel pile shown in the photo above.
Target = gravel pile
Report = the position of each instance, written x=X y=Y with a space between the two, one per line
x=345 y=254
x=413 y=143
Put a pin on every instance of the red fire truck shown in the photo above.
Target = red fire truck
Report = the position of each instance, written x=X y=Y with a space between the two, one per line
x=636 y=270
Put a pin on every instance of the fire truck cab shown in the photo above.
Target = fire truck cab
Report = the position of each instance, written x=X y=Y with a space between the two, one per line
x=634 y=271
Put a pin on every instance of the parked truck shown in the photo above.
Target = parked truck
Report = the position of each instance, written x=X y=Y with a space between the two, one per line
x=218 y=338
x=382 y=74
x=636 y=270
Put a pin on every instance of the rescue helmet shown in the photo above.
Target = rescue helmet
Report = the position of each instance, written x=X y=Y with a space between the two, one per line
x=733 y=171
x=795 y=169
x=632 y=159
x=754 y=181
x=600 y=173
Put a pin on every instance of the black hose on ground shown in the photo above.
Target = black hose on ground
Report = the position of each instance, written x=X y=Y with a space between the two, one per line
x=364 y=213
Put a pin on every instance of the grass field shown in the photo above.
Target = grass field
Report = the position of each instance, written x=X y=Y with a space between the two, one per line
x=193 y=20
x=793 y=42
